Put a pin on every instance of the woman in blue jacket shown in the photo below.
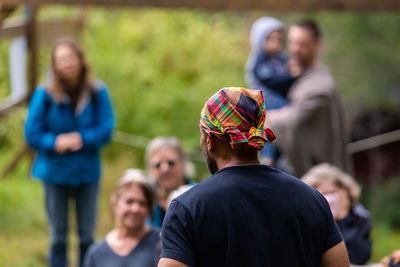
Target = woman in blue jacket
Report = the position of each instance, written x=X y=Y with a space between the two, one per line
x=69 y=120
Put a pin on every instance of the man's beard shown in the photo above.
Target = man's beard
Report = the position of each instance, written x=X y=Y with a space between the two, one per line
x=306 y=61
x=211 y=164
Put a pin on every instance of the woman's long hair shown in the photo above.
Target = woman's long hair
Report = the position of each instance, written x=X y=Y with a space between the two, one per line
x=59 y=86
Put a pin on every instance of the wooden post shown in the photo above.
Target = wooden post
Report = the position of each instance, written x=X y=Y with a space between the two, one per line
x=33 y=65
x=33 y=62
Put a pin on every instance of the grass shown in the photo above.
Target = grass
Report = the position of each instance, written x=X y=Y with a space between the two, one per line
x=23 y=227
x=23 y=224
x=385 y=240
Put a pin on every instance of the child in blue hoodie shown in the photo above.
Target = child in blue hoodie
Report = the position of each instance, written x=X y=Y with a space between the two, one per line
x=267 y=69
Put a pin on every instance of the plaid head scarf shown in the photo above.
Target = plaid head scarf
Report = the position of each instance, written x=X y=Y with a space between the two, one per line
x=237 y=115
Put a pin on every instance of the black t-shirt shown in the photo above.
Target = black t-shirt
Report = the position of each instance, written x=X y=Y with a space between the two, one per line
x=250 y=215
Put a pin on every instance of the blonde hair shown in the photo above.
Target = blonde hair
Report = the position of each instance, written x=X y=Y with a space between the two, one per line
x=134 y=177
x=325 y=172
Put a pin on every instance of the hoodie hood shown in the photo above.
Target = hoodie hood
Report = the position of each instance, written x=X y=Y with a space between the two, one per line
x=260 y=29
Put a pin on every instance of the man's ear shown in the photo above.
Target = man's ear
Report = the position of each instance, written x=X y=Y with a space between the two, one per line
x=210 y=142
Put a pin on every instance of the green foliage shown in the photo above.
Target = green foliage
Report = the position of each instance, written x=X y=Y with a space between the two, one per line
x=385 y=240
x=23 y=228
x=4 y=69
x=164 y=66
x=11 y=132
x=361 y=51
x=383 y=203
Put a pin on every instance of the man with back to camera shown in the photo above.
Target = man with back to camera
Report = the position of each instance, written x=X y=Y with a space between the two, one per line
x=311 y=127
x=247 y=213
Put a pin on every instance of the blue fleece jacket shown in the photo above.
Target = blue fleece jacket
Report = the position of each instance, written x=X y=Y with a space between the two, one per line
x=93 y=119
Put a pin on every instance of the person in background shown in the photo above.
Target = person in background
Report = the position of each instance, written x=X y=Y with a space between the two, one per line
x=393 y=260
x=247 y=213
x=267 y=69
x=342 y=194
x=177 y=192
x=69 y=120
x=311 y=128
x=167 y=165
x=131 y=242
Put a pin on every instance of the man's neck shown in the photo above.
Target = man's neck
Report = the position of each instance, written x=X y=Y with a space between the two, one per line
x=313 y=63
x=224 y=163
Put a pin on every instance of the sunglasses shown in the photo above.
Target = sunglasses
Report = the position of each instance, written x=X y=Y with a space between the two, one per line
x=171 y=163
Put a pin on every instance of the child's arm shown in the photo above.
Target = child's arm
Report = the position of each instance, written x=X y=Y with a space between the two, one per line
x=280 y=83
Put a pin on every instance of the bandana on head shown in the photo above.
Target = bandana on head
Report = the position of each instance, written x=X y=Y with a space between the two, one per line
x=237 y=115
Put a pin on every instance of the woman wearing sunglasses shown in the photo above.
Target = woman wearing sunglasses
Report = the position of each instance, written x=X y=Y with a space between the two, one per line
x=167 y=164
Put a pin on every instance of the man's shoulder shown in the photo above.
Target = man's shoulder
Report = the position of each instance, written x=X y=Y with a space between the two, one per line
x=317 y=80
x=319 y=72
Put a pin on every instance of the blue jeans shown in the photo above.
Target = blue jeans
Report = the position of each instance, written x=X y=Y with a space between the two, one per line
x=57 y=200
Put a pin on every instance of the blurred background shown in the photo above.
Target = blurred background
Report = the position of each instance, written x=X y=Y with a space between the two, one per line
x=161 y=66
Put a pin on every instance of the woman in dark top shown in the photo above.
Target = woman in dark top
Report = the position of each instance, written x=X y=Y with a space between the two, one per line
x=131 y=242
x=342 y=193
